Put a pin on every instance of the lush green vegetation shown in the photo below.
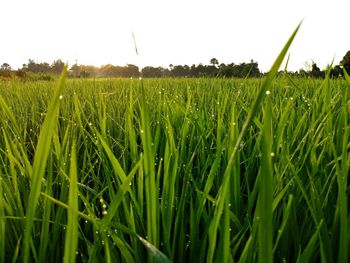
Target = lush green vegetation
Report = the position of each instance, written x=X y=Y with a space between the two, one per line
x=44 y=71
x=175 y=169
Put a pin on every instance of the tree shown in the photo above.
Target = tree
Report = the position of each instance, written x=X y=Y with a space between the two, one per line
x=131 y=71
x=315 y=71
x=75 y=70
x=5 y=70
x=34 y=67
x=214 y=62
x=152 y=72
x=87 y=71
x=5 y=67
x=346 y=62
x=57 y=66
x=336 y=72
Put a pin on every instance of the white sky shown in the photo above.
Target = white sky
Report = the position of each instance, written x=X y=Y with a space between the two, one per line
x=172 y=31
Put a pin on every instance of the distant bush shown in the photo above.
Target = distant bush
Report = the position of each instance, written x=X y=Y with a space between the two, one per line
x=4 y=74
x=25 y=76
x=30 y=76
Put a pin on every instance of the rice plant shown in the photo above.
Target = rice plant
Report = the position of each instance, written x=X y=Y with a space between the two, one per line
x=175 y=170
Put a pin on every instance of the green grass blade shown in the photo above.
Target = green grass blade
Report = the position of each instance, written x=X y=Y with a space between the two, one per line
x=71 y=243
x=254 y=109
x=40 y=158
x=266 y=189
x=2 y=225
x=286 y=214
x=151 y=191
x=245 y=252
x=306 y=255
x=155 y=252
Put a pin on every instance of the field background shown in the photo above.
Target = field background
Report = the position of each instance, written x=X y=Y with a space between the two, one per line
x=145 y=162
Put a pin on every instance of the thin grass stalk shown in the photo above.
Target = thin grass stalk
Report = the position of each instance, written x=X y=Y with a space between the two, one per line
x=72 y=234
x=224 y=187
x=266 y=190
x=39 y=164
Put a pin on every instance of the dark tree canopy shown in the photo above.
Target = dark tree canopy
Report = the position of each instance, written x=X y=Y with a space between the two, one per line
x=346 y=62
x=213 y=69
x=214 y=62
x=5 y=67
x=316 y=71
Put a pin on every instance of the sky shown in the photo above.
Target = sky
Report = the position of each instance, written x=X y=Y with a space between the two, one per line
x=99 y=32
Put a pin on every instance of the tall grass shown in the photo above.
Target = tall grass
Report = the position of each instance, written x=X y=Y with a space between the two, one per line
x=159 y=170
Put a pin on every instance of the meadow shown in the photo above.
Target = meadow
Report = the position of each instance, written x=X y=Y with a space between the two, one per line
x=182 y=170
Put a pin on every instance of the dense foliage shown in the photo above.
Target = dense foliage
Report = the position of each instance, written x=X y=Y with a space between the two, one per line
x=204 y=169
x=144 y=161
x=215 y=69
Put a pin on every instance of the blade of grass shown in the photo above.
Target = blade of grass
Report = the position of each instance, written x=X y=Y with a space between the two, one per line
x=254 y=109
x=266 y=189
x=151 y=191
x=155 y=252
x=306 y=255
x=39 y=164
x=2 y=225
x=71 y=242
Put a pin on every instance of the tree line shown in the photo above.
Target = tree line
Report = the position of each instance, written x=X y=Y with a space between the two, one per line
x=46 y=71
x=214 y=69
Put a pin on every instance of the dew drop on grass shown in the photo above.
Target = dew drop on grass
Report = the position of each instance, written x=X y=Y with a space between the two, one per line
x=268 y=92
x=61 y=97
x=272 y=154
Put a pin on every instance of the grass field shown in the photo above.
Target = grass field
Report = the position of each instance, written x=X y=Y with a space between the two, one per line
x=183 y=170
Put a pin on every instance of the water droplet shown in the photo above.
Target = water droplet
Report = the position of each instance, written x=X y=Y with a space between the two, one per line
x=61 y=97
x=272 y=154
x=268 y=92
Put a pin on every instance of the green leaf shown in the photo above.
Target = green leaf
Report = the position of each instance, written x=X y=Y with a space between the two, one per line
x=40 y=158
